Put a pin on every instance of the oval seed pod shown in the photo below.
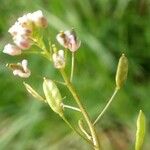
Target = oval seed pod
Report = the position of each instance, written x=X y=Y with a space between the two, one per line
x=140 y=133
x=33 y=92
x=53 y=96
x=122 y=71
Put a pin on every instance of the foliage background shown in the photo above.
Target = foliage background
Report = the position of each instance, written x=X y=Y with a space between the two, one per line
x=107 y=28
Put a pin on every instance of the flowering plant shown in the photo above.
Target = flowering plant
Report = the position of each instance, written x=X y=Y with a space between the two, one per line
x=26 y=32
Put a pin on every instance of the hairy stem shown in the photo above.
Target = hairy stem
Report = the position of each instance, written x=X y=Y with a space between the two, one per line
x=83 y=111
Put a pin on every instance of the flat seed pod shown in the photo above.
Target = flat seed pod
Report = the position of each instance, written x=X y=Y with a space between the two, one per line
x=122 y=71
x=53 y=96
x=140 y=133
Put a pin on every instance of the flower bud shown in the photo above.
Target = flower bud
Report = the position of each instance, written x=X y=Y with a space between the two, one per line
x=22 y=42
x=12 y=50
x=122 y=71
x=53 y=96
x=13 y=30
x=20 y=69
x=26 y=21
x=33 y=92
x=73 y=42
x=69 y=40
x=59 y=59
x=38 y=19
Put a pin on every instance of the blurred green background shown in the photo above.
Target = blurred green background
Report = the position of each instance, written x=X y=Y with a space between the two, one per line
x=106 y=28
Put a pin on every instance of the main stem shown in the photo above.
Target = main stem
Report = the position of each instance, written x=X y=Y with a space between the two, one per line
x=83 y=111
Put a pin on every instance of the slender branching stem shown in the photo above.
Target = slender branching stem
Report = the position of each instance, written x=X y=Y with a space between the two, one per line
x=71 y=107
x=83 y=130
x=95 y=141
x=106 y=107
x=62 y=83
x=75 y=130
x=72 y=66
x=71 y=88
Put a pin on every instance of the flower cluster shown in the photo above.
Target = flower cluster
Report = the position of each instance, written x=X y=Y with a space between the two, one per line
x=68 y=40
x=21 y=33
x=22 y=30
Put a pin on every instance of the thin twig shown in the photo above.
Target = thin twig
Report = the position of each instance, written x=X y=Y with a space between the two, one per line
x=106 y=107
x=75 y=130
x=80 y=123
x=72 y=67
x=71 y=107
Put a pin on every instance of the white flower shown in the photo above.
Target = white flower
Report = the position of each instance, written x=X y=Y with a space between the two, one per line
x=38 y=19
x=22 y=42
x=22 y=30
x=26 y=21
x=37 y=14
x=21 y=69
x=59 y=59
x=12 y=50
x=13 y=30
x=17 y=29
x=20 y=35
x=69 y=40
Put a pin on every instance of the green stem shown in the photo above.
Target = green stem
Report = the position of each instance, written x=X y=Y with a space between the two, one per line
x=72 y=67
x=83 y=111
x=44 y=52
x=75 y=130
x=106 y=107
x=71 y=107
x=62 y=83
x=83 y=130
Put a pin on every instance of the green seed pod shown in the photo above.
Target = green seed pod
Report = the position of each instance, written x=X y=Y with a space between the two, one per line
x=53 y=96
x=140 y=133
x=122 y=71
x=33 y=92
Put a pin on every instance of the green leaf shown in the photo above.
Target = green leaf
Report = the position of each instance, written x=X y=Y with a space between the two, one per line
x=140 y=133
